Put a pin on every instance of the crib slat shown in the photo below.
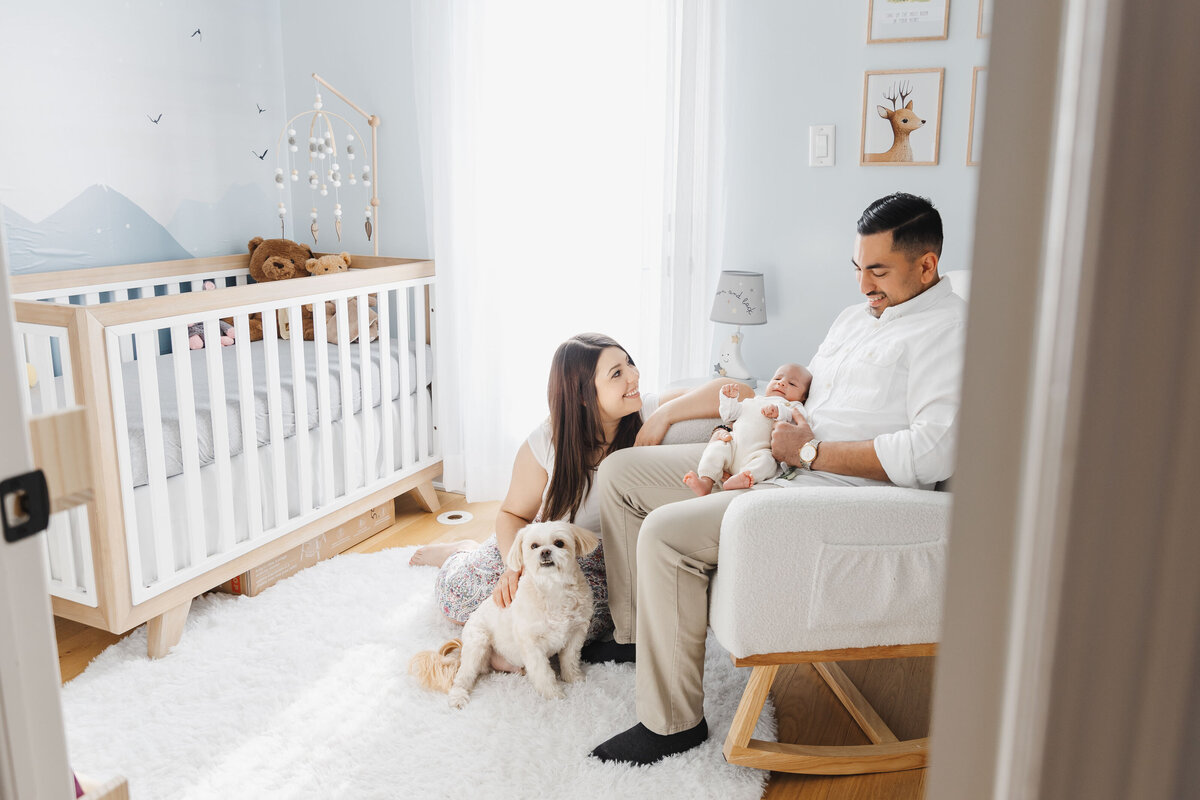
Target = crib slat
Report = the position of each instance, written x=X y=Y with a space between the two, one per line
x=240 y=280
x=406 y=380
x=62 y=557
x=181 y=362
x=368 y=393
x=321 y=346
x=121 y=431
x=422 y=392
x=241 y=347
x=214 y=361
x=126 y=344
x=37 y=345
x=345 y=381
x=91 y=299
x=81 y=541
x=385 y=382
x=68 y=371
x=65 y=301
x=164 y=542
x=279 y=479
x=433 y=348
x=300 y=402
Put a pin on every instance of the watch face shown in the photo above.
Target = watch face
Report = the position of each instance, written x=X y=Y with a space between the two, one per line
x=808 y=452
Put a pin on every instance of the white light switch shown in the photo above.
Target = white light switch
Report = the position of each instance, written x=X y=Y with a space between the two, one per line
x=820 y=145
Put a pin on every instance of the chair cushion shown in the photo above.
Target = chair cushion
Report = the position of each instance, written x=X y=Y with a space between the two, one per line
x=827 y=568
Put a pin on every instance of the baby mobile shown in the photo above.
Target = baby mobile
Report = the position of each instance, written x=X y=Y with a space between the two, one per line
x=324 y=169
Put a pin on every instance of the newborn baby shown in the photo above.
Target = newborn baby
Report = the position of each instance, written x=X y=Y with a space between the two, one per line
x=744 y=450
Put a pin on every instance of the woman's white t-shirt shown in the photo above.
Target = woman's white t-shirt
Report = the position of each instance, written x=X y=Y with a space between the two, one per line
x=540 y=444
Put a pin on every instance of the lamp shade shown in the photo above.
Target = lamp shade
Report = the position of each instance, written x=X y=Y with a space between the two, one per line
x=739 y=299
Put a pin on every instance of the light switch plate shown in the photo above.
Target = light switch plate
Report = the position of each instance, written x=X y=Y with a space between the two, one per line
x=820 y=145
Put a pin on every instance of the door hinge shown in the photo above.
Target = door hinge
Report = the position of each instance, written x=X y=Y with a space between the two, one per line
x=24 y=505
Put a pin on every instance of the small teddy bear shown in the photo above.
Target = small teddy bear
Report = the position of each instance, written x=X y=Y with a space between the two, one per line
x=196 y=329
x=328 y=264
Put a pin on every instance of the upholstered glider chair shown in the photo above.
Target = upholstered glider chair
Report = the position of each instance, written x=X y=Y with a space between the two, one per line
x=821 y=575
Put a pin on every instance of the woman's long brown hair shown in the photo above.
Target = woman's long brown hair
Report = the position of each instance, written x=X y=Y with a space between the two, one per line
x=575 y=428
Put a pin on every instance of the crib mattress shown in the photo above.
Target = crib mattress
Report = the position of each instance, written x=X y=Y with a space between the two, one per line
x=169 y=401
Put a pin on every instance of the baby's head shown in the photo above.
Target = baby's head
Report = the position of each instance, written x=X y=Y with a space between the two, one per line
x=791 y=382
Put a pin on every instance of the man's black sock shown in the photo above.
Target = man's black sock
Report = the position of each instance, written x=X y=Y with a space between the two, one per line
x=608 y=650
x=640 y=745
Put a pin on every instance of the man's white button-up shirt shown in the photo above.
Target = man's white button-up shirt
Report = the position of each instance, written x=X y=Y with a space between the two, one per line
x=894 y=380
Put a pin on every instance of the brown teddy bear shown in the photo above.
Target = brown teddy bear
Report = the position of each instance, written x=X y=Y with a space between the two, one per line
x=327 y=264
x=277 y=259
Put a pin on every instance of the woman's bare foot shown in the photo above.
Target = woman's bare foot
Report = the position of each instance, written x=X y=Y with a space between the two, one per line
x=698 y=484
x=743 y=480
x=501 y=664
x=434 y=555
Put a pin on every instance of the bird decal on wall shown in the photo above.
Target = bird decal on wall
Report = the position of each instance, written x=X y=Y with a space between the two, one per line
x=260 y=158
x=197 y=33
x=260 y=108
x=154 y=119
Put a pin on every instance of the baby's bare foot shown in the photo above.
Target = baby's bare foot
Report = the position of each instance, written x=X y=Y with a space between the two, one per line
x=434 y=555
x=743 y=480
x=502 y=664
x=701 y=486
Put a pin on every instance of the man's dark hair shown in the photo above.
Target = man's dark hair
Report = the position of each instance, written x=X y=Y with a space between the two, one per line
x=915 y=224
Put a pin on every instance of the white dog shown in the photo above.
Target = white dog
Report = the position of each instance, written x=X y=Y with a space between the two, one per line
x=549 y=614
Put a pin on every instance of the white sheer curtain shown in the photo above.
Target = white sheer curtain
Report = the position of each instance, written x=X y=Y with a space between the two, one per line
x=551 y=144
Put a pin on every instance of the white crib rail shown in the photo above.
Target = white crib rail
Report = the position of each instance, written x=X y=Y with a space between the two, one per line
x=324 y=447
x=71 y=574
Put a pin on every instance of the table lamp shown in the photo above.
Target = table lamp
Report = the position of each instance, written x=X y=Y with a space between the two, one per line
x=739 y=301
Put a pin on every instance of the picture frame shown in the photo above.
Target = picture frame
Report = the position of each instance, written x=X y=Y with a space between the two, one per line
x=983 y=28
x=891 y=137
x=907 y=20
x=975 y=134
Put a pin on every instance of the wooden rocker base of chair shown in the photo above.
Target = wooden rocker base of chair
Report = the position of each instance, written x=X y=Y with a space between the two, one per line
x=886 y=753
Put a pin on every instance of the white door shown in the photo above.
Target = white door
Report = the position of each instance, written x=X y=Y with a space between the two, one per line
x=33 y=746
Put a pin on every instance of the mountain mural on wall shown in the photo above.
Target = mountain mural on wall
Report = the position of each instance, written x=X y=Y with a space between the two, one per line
x=99 y=228
x=244 y=211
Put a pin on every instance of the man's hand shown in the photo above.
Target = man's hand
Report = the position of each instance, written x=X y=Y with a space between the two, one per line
x=787 y=439
x=730 y=390
x=506 y=589
x=770 y=412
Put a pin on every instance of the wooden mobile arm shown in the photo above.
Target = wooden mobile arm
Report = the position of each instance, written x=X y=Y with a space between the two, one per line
x=373 y=121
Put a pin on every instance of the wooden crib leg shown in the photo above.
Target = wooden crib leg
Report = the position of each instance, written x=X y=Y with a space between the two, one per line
x=164 y=631
x=426 y=497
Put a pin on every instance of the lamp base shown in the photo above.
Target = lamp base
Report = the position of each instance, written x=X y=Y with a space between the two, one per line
x=729 y=361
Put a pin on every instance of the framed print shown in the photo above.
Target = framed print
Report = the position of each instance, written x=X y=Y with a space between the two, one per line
x=902 y=117
x=983 y=28
x=907 y=20
x=975 y=137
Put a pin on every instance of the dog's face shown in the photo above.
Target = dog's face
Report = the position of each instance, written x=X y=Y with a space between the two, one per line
x=550 y=547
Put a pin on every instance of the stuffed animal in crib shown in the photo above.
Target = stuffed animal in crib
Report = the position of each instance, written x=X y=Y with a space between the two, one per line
x=331 y=327
x=277 y=259
x=326 y=265
x=196 y=329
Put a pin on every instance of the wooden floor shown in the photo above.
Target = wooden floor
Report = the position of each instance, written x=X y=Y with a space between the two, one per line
x=806 y=710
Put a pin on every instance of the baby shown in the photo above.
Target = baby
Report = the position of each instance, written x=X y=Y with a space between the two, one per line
x=745 y=451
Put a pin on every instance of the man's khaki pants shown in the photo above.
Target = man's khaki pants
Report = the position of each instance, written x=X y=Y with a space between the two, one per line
x=659 y=554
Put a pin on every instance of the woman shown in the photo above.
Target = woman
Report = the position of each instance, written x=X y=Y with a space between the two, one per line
x=595 y=409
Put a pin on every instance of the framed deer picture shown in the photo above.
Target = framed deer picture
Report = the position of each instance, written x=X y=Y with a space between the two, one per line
x=907 y=20
x=902 y=117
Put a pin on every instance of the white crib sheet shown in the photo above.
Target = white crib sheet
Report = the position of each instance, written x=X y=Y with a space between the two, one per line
x=169 y=405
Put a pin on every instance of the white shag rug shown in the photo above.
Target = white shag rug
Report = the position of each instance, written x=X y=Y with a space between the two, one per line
x=304 y=692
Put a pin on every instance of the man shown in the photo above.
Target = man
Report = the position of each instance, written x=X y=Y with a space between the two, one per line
x=881 y=410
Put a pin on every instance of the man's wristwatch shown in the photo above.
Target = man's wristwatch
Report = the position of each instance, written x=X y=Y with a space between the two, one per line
x=808 y=454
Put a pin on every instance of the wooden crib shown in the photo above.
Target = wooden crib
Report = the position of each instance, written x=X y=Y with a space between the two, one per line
x=181 y=497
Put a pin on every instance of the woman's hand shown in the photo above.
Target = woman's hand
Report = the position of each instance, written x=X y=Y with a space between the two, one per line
x=653 y=430
x=506 y=589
